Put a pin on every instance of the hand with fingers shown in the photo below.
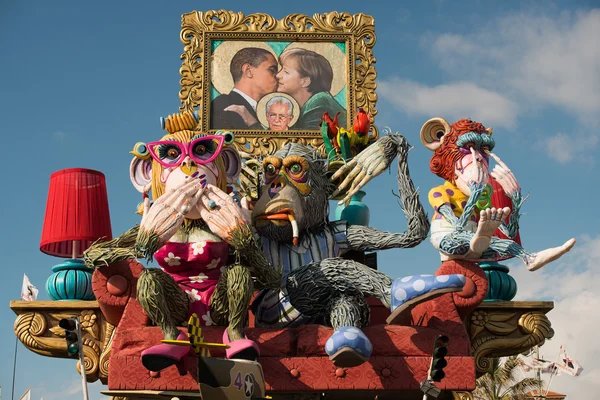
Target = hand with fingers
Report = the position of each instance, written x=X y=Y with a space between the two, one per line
x=222 y=214
x=368 y=164
x=504 y=176
x=243 y=112
x=162 y=220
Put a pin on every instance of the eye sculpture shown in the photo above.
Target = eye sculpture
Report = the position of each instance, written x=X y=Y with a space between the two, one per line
x=296 y=169
x=200 y=149
x=169 y=151
x=173 y=153
x=270 y=169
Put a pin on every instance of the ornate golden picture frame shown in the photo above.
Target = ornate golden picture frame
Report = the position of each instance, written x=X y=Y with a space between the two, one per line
x=269 y=81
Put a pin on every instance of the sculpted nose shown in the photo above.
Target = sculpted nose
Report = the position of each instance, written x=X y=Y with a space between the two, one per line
x=279 y=183
x=188 y=166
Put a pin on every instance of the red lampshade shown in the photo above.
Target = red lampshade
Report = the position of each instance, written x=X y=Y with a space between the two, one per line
x=76 y=212
x=500 y=200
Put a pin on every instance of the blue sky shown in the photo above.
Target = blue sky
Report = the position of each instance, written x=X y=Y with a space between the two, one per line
x=81 y=82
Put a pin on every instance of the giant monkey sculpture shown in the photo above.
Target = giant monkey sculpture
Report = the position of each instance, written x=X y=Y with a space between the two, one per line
x=195 y=274
x=461 y=157
x=291 y=217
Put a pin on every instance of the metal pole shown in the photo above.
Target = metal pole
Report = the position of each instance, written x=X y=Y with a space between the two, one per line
x=14 y=368
x=81 y=360
x=539 y=373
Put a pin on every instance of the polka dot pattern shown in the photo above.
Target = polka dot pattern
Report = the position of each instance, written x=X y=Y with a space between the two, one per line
x=400 y=294
x=350 y=337
x=329 y=346
x=419 y=285
x=426 y=286
x=437 y=194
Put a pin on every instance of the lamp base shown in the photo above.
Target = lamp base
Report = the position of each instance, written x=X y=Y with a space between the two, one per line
x=501 y=286
x=71 y=280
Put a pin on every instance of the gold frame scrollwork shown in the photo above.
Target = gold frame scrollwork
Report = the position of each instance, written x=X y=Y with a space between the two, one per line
x=199 y=28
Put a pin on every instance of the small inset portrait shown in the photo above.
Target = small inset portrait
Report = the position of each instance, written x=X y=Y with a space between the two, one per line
x=278 y=111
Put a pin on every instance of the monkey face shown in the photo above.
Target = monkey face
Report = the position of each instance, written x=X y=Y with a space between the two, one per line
x=288 y=197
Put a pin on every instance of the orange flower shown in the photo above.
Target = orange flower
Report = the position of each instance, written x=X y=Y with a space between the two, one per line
x=362 y=123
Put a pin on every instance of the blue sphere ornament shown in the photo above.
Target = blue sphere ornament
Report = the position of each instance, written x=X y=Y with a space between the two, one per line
x=356 y=212
x=71 y=280
x=501 y=286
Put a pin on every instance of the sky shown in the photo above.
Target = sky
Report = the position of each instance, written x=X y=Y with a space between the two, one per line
x=82 y=82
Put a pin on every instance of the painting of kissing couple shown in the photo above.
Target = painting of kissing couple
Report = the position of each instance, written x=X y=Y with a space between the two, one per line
x=277 y=85
x=270 y=81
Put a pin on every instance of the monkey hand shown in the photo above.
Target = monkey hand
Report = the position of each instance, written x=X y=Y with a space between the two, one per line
x=222 y=214
x=164 y=217
x=369 y=163
x=504 y=176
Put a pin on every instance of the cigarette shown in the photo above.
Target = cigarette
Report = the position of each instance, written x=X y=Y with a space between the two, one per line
x=295 y=232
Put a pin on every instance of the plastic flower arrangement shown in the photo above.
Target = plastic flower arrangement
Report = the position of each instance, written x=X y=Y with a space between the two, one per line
x=341 y=143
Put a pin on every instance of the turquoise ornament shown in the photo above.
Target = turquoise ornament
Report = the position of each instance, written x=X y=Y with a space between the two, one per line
x=501 y=286
x=356 y=212
x=71 y=280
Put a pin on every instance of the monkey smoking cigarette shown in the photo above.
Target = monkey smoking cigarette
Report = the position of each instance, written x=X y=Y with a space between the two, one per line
x=294 y=229
x=286 y=214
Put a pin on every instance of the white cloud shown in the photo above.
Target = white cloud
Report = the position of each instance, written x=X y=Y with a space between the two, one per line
x=59 y=135
x=511 y=67
x=572 y=283
x=453 y=101
x=564 y=148
x=538 y=59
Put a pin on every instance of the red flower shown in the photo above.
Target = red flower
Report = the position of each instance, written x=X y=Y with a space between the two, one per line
x=332 y=128
x=362 y=123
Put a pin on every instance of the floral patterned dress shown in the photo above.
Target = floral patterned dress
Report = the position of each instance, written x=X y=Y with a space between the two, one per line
x=196 y=268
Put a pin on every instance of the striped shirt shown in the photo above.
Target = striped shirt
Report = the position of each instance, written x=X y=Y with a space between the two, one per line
x=272 y=308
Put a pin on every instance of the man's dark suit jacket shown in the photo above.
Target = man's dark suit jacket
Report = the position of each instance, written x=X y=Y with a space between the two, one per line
x=221 y=119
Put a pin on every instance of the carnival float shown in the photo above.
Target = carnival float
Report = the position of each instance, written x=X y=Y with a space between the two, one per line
x=237 y=285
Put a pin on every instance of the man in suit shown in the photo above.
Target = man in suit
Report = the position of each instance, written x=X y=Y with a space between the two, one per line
x=253 y=71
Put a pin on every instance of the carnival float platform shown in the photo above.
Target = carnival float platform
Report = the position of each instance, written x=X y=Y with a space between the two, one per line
x=116 y=330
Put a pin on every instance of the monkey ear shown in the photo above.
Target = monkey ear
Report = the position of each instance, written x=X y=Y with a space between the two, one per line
x=140 y=173
x=233 y=163
x=433 y=131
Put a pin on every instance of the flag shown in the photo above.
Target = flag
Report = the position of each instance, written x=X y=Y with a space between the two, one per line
x=533 y=363
x=28 y=291
x=26 y=395
x=568 y=365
